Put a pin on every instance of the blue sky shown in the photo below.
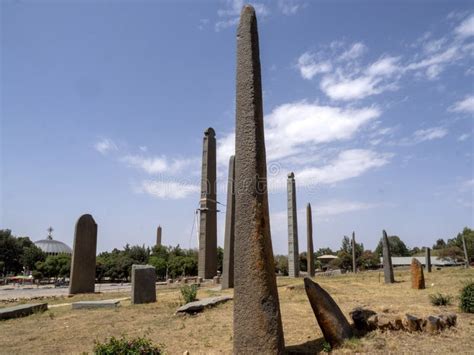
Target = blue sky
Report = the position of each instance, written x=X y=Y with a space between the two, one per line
x=104 y=105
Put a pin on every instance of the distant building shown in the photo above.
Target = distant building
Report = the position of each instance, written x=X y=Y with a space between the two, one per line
x=435 y=261
x=53 y=247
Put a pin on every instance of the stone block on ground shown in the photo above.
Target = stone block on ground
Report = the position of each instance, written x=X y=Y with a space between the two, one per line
x=143 y=284
x=361 y=316
x=432 y=324
x=96 y=304
x=198 y=306
x=412 y=323
x=449 y=319
x=22 y=310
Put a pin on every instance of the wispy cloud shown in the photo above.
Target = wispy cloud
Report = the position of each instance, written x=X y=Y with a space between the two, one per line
x=424 y=135
x=463 y=137
x=229 y=14
x=291 y=128
x=343 y=77
x=167 y=189
x=289 y=7
x=348 y=164
x=465 y=105
x=157 y=165
x=105 y=146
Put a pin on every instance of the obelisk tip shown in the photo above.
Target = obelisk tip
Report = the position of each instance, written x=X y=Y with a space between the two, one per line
x=248 y=9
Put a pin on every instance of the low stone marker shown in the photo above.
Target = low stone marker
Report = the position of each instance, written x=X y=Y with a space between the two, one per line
x=331 y=320
x=197 y=306
x=143 y=284
x=96 y=304
x=22 y=310
x=417 y=277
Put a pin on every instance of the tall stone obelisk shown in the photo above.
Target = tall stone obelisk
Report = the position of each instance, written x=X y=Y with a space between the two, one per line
x=354 y=265
x=293 y=250
x=309 y=235
x=207 y=263
x=387 y=260
x=158 y=236
x=428 y=259
x=257 y=318
x=228 y=262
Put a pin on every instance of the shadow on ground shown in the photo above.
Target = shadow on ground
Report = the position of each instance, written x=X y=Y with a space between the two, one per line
x=310 y=347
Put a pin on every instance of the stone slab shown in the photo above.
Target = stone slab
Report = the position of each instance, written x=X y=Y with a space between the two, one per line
x=197 y=306
x=143 y=284
x=22 y=310
x=96 y=304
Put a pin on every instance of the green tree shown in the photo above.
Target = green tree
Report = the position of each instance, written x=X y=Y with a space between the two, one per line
x=31 y=255
x=281 y=264
x=397 y=247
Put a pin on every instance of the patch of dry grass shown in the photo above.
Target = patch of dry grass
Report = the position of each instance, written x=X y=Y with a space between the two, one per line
x=62 y=330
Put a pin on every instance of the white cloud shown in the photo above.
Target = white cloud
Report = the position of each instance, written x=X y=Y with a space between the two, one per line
x=465 y=105
x=429 y=134
x=289 y=7
x=168 y=189
x=309 y=67
x=295 y=127
x=105 y=145
x=463 y=137
x=466 y=28
x=331 y=208
x=348 y=164
x=344 y=78
x=157 y=165
x=356 y=50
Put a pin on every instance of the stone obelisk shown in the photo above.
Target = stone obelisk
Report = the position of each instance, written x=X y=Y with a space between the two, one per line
x=428 y=259
x=354 y=266
x=387 y=260
x=309 y=234
x=158 y=236
x=293 y=250
x=207 y=263
x=257 y=319
x=82 y=277
x=228 y=263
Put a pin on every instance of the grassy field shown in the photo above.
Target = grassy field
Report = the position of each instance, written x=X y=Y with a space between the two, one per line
x=61 y=330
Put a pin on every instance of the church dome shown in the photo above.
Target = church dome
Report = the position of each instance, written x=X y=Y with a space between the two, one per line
x=53 y=247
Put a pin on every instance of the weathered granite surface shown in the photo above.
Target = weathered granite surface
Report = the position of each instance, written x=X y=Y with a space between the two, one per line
x=197 y=306
x=95 y=304
x=22 y=310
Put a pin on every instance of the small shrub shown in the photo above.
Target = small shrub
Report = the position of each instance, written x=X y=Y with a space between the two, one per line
x=326 y=347
x=123 y=346
x=440 y=299
x=467 y=298
x=189 y=293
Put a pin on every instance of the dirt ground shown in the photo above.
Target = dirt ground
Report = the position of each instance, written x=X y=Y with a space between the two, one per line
x=62 y=330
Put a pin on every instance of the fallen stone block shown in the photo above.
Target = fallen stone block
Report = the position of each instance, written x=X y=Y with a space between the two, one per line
x=384 y=323
x=361 y=316
x=22 y=310
x=331 y=320
x=449 y=319
x=432 y=324
x=197 y=306
x=412 y=323
x=96 y=304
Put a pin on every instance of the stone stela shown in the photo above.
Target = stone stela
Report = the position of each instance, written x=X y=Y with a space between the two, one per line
x=387 y=260
x=257 y=318
x=293 y=250
x=82 y=279
x=309 y=235
x=228 y=262
x=207 y=263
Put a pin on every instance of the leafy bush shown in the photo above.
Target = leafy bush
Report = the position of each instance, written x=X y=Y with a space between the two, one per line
x=189 y=293
x=440 y=299
x=124 y=346
x=467 y=298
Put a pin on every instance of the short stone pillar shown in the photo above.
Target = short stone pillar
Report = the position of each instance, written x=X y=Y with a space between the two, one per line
x=143 y=284
x=216 y=280
x=417 y=277
x=184 y=280
x=82 y=277
x=169 y=281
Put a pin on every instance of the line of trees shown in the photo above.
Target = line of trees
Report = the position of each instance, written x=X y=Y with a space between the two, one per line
x=20 y=254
